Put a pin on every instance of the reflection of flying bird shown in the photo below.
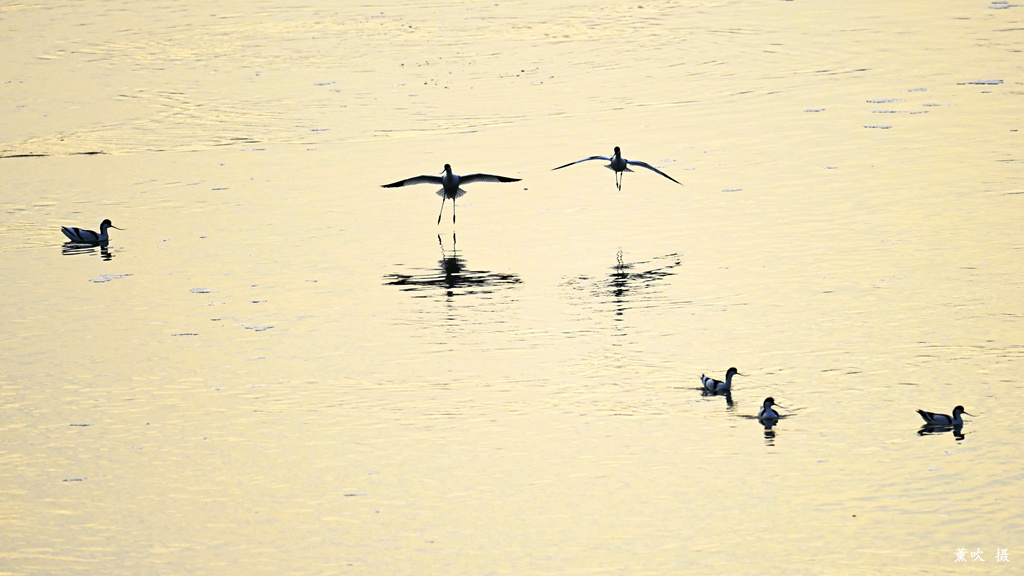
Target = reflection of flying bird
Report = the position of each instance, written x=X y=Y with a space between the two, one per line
x=933 y=419
x=450 y=185
x=629 y=284
x=453 y=276
x=620 y=165
x=88 y=236
x=712 y=385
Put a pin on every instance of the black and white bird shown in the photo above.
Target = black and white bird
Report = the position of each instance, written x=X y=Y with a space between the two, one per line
x=80 y=236
x=620 y=165
x=933 y=419
x=712 y=385
x=766 y=412
x=450 y=185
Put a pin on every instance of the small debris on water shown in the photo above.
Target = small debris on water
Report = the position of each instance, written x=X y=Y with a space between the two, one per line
x=108 y=278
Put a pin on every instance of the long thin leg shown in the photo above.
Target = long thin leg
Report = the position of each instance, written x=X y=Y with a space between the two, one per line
x=453 y=210
x=442 y=209
x=618 y=180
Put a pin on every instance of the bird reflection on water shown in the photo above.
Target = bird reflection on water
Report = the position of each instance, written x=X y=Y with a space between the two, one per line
x=453 y=276
x=929 y=430
x=725 y=393
x=627 y=283
x=76 y=248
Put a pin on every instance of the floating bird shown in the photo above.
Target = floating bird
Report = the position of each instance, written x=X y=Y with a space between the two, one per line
x=933 y=419
x=766 y=412
x=450 y=185
x=712 y=385
x=620 y=165
x=88 y=236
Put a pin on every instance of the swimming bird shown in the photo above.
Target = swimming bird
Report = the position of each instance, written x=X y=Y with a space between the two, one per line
x=933 y=419
x=88 y=236
x=620 y=165
x=766 y=412
x=450 y=185
x=712 y=385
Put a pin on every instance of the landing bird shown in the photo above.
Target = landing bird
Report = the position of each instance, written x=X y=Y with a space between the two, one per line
x=88 y=236
x=933 y=419
x=620 y=165
x=450 y=185
x=712 y=385
x=766 y=412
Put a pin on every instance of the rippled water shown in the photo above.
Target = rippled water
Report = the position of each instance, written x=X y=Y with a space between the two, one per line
x=280 y=367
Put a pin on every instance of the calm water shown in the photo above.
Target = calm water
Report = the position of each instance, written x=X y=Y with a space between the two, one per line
x=279 y=367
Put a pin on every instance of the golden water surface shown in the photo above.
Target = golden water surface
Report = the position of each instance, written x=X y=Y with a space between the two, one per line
x=279 y=367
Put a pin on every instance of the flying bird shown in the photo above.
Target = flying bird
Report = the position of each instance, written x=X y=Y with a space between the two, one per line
x=620 y=165
x=450 y=185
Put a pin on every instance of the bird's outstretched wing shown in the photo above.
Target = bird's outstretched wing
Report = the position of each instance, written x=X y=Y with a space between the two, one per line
x=649 y=167
x=414 y=180
x=605 y=158
x=470 y=178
